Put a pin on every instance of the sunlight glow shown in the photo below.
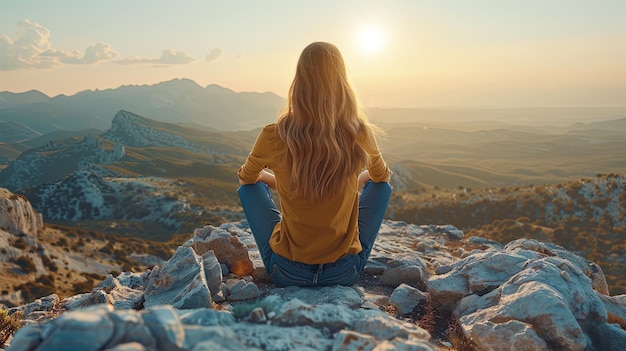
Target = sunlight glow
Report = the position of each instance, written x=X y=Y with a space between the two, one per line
x=371 y=40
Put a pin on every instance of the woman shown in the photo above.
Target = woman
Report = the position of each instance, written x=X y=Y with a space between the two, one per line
x=322 y=154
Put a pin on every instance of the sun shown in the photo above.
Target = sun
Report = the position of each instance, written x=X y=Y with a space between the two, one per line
x=371 y=39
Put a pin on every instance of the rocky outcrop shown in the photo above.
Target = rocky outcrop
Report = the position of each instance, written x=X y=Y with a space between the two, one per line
x=17 y=215
x=58 y=159
x=529 y=293
x=85 y=195
x=525 y=295
x=133 y=130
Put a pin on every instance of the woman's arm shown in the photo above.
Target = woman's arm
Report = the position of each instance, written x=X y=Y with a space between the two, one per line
x=265 y=177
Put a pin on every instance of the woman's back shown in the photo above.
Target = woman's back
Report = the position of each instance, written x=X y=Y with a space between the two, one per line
x=325 y=229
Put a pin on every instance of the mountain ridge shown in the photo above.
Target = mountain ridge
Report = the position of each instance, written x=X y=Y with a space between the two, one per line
x=176 y=100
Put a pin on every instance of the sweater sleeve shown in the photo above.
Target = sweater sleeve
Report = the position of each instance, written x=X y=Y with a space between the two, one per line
x=378 y=169
x=258 y=158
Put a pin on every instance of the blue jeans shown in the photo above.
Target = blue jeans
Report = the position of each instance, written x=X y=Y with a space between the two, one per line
x=262 y=215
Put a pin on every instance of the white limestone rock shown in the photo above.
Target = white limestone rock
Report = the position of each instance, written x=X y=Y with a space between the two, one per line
x=181 y=282
x=512 y=335
x=17 y=215
x=405 y=298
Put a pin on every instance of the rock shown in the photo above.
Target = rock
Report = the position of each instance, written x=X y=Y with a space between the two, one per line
x=121 y=297
x=347 y=340
x=212 y=339
x=384 y=327
x=591 y=269
x=558 y=310
x=17 y=216
x=132 y=280
x=206 y=317
x=130 y=329
x=476 y=274
x=615 y=308
x=227 y=247
x=257 y=316
x=607 y=337
x=239 y=289
x=88 y=329
x=328 y=316
x=166 y=327
x=484 y=241
x=412 y=272
x=450 y=230
x=405 y=298
x=44 y=304
x=260 y=275
x=337 y=295
x=180 y=283
x=510 y=335
x=274 y=337
x=212 y=272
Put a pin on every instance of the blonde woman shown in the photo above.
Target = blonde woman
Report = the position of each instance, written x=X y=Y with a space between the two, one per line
x=330 y=176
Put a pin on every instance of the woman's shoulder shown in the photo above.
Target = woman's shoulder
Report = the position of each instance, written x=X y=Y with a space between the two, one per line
x=269 y=133
x=269 y=128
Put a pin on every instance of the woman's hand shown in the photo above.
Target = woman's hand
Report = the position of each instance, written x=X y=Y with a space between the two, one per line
x=267 y=178
x=363 y=178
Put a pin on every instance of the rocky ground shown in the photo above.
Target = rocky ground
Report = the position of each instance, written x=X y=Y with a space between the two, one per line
x=425 y=288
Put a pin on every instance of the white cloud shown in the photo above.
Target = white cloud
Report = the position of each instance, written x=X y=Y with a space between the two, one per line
x=215 y=54
x=25 y=50
x=168 y=57
x=93 y=54
x=32 y=49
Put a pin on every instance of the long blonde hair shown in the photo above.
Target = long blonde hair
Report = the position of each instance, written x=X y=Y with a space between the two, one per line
x=323 y=126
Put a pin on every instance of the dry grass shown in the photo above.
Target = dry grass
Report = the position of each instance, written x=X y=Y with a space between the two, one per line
x=458 y=339
x=9 y=324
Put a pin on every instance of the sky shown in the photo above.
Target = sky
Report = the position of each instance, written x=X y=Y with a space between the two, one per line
x=399 y=53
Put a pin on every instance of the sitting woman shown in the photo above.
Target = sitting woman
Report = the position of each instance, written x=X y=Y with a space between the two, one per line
x=330 y=176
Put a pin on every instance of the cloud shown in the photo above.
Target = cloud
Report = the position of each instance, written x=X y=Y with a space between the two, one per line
x=168 y=57
x=215 y=54
x=25 y=50
x=93 y=54
x=32 y=49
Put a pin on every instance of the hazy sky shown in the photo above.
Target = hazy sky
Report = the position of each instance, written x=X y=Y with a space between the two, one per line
x=400 y=53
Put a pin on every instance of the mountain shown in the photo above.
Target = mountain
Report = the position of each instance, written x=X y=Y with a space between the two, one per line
x=178 y=100
x=168 y=177
x=10 y=100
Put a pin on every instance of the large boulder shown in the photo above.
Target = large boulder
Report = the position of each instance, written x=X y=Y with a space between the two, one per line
x=530 y=293
x=182 y=282
x=227 y=248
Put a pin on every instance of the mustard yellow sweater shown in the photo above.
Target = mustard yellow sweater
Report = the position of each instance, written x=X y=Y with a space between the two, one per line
x=312 y=234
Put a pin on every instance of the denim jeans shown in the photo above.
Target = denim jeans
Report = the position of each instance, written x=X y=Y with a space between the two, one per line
x=262 y=215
